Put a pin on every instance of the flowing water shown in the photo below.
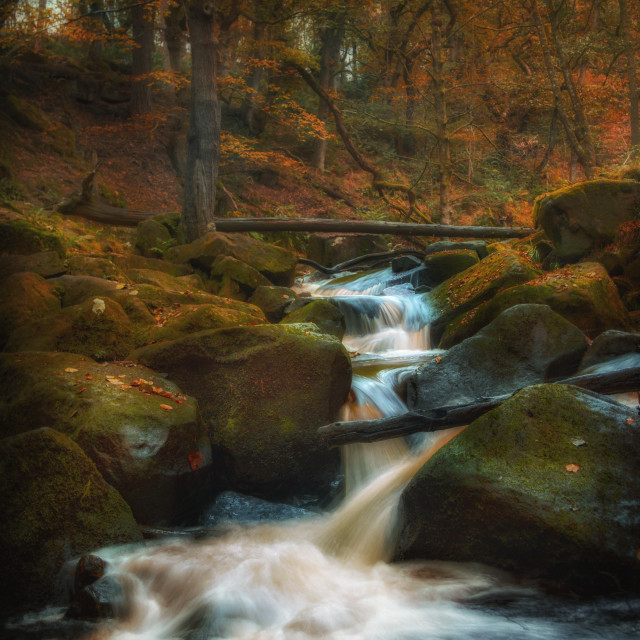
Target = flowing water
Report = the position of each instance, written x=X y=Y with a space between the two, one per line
x=326 y=576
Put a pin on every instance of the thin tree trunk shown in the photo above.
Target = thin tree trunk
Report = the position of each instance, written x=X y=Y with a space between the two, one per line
x=203 y=149
x=256 y=79
x=141 y=66
x=625 y=27
x=574 y=143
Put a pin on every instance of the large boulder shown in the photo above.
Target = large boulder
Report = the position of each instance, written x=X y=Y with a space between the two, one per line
x=95 y=266
x=273 y=301
x=25 y=297
x=442 y=265
x=160 y=279
x=524 y=345
x=235 y=279
x=583 y=293
x=478 y=283
x=143 y=434
x=584 y=216
x=276 y=264
x=546 y=484
x=45 y=263
x=55 y=506
x=324 y=314
x=609 y=346
x=263 y=391
x=23 y=238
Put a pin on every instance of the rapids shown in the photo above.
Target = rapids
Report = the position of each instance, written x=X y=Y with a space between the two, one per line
x=326 y=576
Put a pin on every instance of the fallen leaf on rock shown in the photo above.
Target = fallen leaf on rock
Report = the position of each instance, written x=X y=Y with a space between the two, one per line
x=578 y=442
x=196 y=458
x=629 y=420
x=88 y=376
x=166 y=407
x=70 y=370
x=573 y=468
x=81 y=390
x=438 y=359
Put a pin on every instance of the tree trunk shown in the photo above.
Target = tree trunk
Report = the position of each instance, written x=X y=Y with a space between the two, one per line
x=440 y=106
x=254 y=123
x=625 y=27
x=574 y=143
x=141 y=64
x=332 y=36
x=174 y=36
x=203 y=151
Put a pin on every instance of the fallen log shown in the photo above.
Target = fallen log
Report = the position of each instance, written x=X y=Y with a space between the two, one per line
x=367 y=226
x=339 y=433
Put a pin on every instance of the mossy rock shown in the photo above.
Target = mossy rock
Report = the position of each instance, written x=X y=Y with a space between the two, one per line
x=272 y=300
x=24 y=298
x=263 y=390
x=158 y=279
x=479 y=246
x=75 y=289
x=610 y=345
x=518 y=490
x=583 y=293
x=23 y=238
x=274 y=263
x=478 y=283
x=325 y=315
x=95 y=266
x=235 y=279
x=98 y=328
x=46 y=264
x=182 y=320
x=442 y=265
x=584 y=216
x=124 y=262
x=152 y=239
x=55 y=506
x=524 y=345
x=158 y=458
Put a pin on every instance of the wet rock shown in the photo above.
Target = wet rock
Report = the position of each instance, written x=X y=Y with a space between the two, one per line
x=154 y=450
x=405 y=263
x=524 y=345
x=583 y=293
x=46 y=264
x=274 y=263
x=478 y=283
x=610 y=345
x=88 y=570
x=235 y=279
x=54 y=505
x=24 y=298
x=230 y=506
x=514 y=491
x=263 y=390
x=445 y=264
x=332 y=250
x=273 y=301
x=102 y=600
x=326 y=316
x=583 y=216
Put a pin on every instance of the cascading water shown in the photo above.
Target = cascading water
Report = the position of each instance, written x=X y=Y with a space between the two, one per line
x=325 y=576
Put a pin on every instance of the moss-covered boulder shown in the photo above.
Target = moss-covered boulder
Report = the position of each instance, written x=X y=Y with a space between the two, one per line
x=263 y=390
x=95 y=266
x=545 y=484
x=583 y=293
x=325 y=315
x=235 y=279
x=152 y=238
x=127 y=261
x=584 y=216
x=159 y=279
x=610 y=345
x=479 y=246
x=54 y=506
x=524 y=345
x=45 y=263
x=143 y=434
x=442 y=265
x=98 y=328
x=330 y=250
x=23 y=238
x=25 y=297
x=75 y=289
x=272 y=300
x=478 y=283
x=178 y=321
x=276 y=264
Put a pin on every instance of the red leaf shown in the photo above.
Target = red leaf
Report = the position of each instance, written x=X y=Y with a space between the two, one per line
x=196 y=458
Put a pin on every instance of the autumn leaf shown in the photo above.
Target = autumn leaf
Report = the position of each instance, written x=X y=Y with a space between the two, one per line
x=196 y=458
x=166 y=407
x=70 y=370
x=629 y=420
x=438 y=359
x=573 y=468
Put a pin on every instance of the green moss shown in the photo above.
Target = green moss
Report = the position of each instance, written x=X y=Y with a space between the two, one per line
x=24 y=238
x=325 y=315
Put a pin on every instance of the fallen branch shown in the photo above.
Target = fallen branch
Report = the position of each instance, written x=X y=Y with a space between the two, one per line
x=229 y=225
x=339 y=433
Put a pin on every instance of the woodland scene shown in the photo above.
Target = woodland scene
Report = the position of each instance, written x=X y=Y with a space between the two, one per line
x=319 y=319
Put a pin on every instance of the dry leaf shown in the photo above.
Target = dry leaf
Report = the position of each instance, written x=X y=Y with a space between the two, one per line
x=573 y=468
x=166 y=407
x=578 y=442
x=629 y=420
x=88 y=376
x=438 y=359
x=70 y=370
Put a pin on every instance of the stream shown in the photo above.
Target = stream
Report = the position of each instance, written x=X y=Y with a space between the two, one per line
x=326 y=575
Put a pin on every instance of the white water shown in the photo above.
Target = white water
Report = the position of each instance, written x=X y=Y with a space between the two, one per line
x=326 y=577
